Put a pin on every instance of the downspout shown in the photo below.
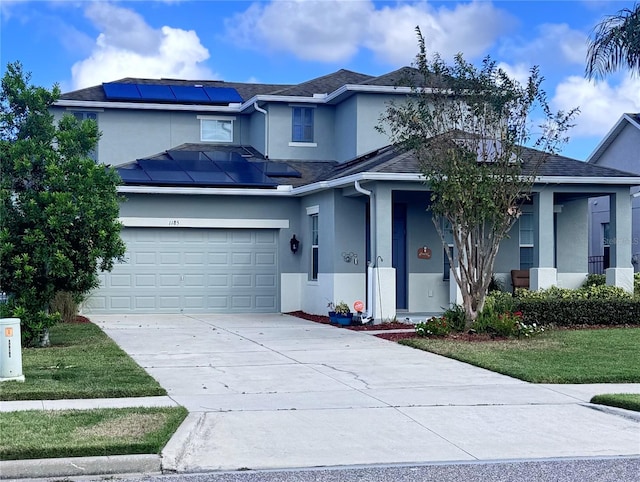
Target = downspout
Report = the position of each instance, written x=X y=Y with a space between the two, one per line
x=266 y=128
x=372 y=240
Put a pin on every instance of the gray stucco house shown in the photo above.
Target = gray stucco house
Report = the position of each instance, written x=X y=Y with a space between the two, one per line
x=220 y=177
x=619 y=149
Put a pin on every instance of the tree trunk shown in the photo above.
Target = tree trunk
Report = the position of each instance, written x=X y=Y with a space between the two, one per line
x=43 y=340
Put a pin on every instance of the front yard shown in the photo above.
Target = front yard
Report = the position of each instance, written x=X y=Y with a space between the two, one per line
x=558 y=356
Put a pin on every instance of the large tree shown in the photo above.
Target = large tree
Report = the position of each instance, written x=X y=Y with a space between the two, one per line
x=615 y=44
x=58 y=208
x=468 y=126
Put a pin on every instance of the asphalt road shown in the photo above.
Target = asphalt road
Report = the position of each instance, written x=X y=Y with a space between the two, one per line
x=625 y=469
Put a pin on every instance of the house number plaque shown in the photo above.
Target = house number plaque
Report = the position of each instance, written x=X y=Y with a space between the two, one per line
x=424 y=253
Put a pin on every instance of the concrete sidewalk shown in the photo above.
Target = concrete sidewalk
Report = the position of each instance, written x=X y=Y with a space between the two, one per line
x=274 y=391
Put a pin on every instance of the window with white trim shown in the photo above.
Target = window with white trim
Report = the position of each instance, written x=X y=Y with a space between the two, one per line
x=302 y=124
x=526 y=240
x=214 y=129
x=448 y=238
x=83 y=116
x=313 y=272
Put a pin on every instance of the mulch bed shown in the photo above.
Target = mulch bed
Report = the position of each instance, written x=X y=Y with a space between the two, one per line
x=80 y=319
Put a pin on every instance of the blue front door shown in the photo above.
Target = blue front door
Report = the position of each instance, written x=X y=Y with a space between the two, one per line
x=399 y=253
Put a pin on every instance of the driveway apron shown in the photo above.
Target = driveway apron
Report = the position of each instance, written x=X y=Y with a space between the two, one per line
x=275 y=391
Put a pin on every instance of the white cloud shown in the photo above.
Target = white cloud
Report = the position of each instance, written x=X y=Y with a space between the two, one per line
x=332 y=31
x=128 y=47
x=519 y=72
x=601 y=104
x=327 y=31
x=555 y=45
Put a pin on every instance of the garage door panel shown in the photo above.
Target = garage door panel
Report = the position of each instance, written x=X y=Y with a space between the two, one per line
x=170 y=280
x=145 y=281
x=194 y=258
x=120 y=280
x=265 y=259
x=144 y=258
x=242 y=259
x=265 y=281
x=193 y=270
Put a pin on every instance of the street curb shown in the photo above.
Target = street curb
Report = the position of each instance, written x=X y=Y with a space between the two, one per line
x=621 y=412
x=79 y=466
x=175 y=449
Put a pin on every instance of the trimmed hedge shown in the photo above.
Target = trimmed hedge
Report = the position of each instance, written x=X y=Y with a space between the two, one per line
x=590 y=311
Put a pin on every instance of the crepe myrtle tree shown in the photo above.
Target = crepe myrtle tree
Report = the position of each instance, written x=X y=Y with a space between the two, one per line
x=468 y=127
x=58 y=209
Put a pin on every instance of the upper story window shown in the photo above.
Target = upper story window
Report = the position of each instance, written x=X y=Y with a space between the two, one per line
x=302 y=124
x=216 y=129
x=86 y=115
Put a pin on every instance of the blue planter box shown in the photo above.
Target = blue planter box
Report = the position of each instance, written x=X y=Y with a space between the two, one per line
x=344 y=320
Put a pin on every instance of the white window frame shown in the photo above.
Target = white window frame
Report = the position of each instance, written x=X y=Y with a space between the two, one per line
x=83 y=115
x=314 y=231
x=212 y=128
x=303 y=142
x=527 y=244
x=447 y=231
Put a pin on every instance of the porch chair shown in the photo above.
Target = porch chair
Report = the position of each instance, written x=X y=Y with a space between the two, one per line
x=519 y=279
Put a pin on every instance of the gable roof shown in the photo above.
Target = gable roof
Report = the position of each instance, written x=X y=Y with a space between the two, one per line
x=393 y=160
x=625 y=119
x=327 y=88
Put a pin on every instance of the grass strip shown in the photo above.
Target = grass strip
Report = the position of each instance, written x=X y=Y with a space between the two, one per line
x=35 y=434
x=82 y=362
x=557 y=356
x=629 y=401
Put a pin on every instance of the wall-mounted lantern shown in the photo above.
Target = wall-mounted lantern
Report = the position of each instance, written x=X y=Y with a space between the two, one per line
x=295 y=244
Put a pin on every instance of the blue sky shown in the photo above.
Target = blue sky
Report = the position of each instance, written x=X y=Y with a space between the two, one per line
x=79 y=43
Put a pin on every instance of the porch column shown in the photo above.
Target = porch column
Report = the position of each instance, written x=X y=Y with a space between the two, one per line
x=382 y=293
x=544 y=274
x=621 y=271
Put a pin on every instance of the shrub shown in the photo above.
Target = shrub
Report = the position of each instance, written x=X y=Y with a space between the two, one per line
x=636 y=284
x=436 y=326
x=66 y=304
x=594 y=280
x=602 y=292
x=455 y=317
x=342 y=308
x=589 y=311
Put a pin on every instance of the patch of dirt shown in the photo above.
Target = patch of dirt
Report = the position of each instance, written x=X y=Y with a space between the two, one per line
x=325 y=320
x=132 y=426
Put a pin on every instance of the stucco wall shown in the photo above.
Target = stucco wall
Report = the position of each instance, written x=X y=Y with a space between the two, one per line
x=128 y=135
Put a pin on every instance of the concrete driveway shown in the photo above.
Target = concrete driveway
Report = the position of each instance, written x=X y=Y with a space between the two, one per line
x=274 y=391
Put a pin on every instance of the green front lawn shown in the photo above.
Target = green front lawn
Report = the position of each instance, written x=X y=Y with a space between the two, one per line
x=82 y=362
x=36 y=434
x=630 y=401
x=557 y=356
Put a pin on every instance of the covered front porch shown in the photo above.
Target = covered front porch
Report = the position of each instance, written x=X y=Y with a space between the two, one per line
x=408 y=273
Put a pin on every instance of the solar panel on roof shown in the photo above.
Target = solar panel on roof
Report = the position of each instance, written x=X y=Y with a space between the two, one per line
x=280 y=169
x=218 y=155
x=208 y=178
x=156 y=92
x=121 y=91
x=165 y=171
x=245 y=173
x=187 y=155
x=222 y=95
x=133 y=175
x=188 y=93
